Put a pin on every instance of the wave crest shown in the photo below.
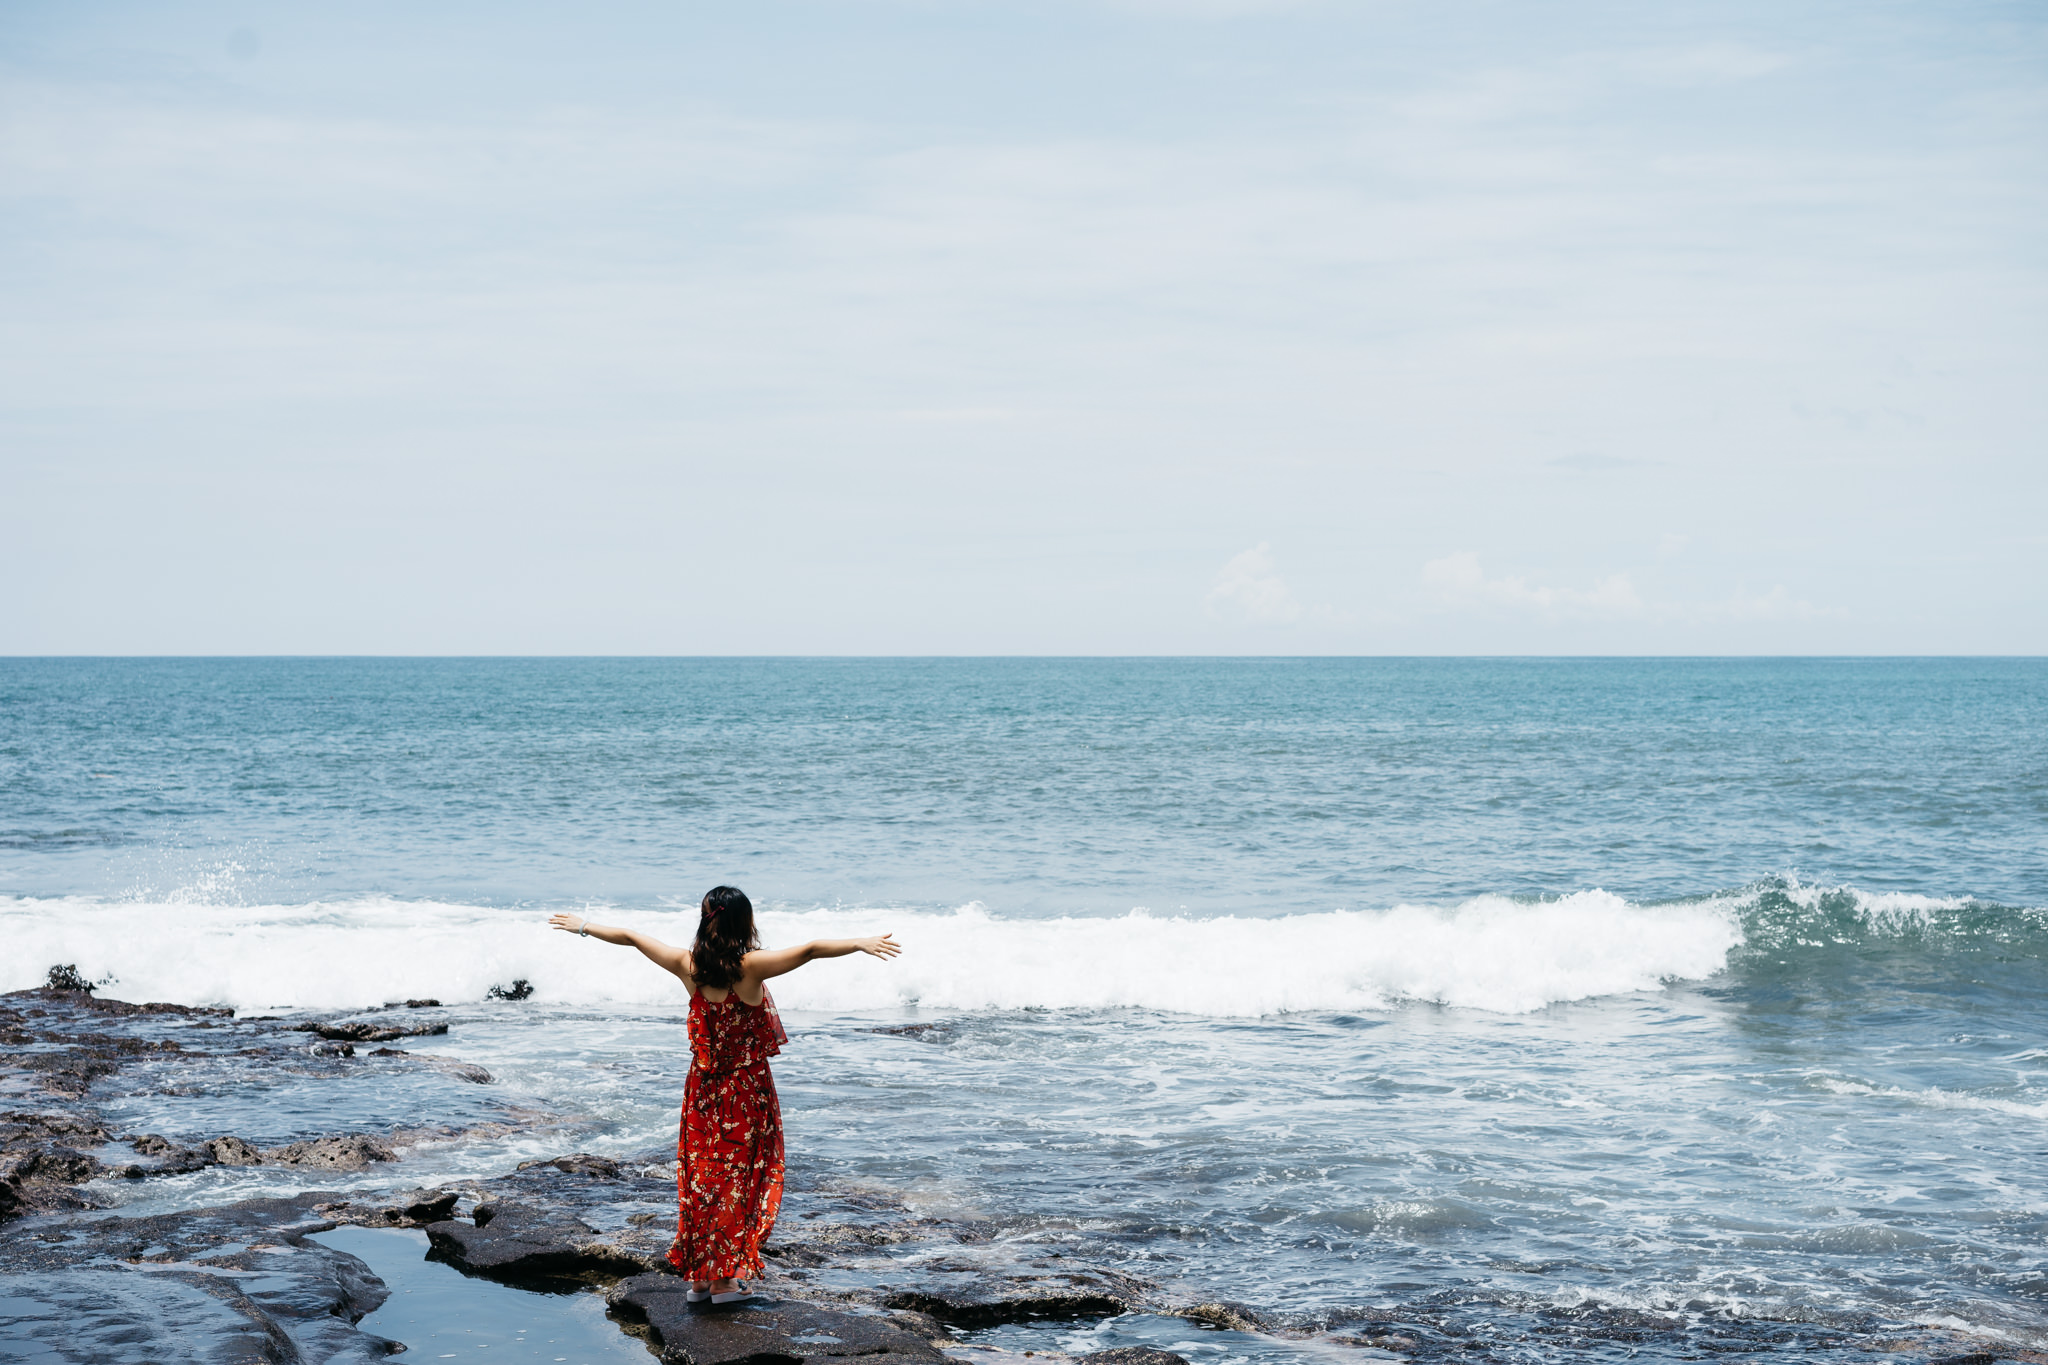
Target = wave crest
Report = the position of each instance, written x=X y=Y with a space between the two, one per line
x=1785 y=915
x=1490 y=953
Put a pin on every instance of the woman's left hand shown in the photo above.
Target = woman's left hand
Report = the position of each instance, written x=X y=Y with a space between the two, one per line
x=567 y=923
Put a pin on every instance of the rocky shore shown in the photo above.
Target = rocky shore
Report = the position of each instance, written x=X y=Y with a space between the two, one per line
x=850 y=1272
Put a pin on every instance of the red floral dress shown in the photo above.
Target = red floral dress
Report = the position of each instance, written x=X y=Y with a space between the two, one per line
x=729 y=1155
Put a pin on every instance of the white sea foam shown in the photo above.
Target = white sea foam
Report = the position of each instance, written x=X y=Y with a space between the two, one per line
x=1936 y=1098
x=1490 y=953
x=1881 y=912
x=1877 y=904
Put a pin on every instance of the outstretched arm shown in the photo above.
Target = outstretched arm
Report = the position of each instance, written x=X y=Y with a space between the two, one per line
x=764 y=963
x=662 y=955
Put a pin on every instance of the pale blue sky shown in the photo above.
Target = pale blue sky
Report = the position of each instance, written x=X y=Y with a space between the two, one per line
x=1003 y=328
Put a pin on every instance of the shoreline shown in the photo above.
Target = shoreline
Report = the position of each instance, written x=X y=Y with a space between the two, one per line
x=849 y=1271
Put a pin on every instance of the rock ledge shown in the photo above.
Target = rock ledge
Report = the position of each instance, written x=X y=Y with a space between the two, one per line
x=761 y=1331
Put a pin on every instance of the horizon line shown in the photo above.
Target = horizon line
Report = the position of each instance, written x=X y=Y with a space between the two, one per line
x=851 y=657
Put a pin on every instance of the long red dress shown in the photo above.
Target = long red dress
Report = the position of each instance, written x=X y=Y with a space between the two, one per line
x=729 y=1154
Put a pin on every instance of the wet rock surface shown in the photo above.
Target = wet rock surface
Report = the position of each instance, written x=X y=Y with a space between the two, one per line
x=851 y=1271
x=86 y=1001
x=41 y=1165
x=405 y=1209
x=974 y=1293
x=237 y=1284
x=60 y=1041
x=56 y=1045
x=161 y=1156
x=763 y=1331
x=578 y=1217
x=230 y=1151
x=582 y=1163
x=349 y=1152
x=524 y=1244
x=365 y=1032
x=595 y=1219
x=961 y=1272
x=1133 y=1355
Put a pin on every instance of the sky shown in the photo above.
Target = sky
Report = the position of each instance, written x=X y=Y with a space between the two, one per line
x=1154 y=327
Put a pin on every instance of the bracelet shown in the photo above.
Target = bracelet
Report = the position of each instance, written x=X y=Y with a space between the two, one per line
x=583 y=929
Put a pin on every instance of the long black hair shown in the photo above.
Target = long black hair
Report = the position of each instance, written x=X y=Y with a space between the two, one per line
x=724 y=936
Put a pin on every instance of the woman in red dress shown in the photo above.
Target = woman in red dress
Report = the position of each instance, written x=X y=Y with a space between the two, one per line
x=729 y=1154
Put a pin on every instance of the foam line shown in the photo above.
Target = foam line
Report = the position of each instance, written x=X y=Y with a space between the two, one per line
x=1490 y=953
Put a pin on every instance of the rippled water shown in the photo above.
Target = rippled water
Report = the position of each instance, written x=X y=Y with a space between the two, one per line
x=1706 y=985
x=1033 y=786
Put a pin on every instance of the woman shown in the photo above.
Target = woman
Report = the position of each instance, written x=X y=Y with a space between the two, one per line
x=729 y=1156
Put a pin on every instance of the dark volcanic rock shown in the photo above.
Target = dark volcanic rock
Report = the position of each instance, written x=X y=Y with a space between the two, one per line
x=41 y=1181
x=61 y=1163
x=360 y=1032
x=235 y=1284
x=22 y=1131
x=409 y=1209
x=634 y=1209
x=1132 y=1355
x=68 y=1074
x=40 y=1162
x=348 y=1152
x=985 y=1300
x=231 y=1151
x=85 y=1000
x=955 y=1271
x=601 y=1167
x=584 y=1183
x=66 y=978
x=520 y=1243
x=761 y=1332
x=980 y=1285
x=1229 y=1317
x=60 y=1042
x=167 y=1157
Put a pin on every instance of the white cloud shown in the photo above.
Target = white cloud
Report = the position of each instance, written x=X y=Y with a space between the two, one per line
x=1249 y=589
x=1663 y=279
x=1459 y=580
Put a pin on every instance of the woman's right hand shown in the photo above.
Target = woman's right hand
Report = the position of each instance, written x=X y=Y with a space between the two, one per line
x=567 y=923
x=883 y=946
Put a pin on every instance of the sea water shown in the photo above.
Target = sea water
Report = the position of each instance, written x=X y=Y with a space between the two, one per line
x=1691 y=985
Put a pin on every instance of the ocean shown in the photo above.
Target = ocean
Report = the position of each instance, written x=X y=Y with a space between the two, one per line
x=1480 y=987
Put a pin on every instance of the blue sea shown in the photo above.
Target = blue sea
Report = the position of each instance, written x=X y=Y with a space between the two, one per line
x=1708 y=987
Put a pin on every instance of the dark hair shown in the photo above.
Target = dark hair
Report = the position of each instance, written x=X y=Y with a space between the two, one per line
x=724 y=936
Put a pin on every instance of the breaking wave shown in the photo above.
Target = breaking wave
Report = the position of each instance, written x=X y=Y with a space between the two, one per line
x=1490 y=953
